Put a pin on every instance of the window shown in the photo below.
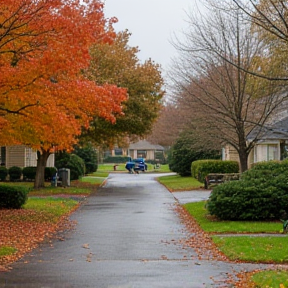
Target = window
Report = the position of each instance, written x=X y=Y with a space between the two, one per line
x=141 y=153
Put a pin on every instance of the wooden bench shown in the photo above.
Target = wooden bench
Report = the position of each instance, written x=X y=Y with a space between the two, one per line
x=214 y=179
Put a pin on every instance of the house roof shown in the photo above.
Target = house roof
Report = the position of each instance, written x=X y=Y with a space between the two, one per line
x=277 y=131
x=145 y=145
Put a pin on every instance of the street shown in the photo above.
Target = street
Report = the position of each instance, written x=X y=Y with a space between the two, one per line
x=127 y=236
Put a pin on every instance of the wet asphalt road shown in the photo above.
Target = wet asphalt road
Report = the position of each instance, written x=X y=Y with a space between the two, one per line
x=126 y=237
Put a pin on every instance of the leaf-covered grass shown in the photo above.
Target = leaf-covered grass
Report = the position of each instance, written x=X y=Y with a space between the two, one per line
x=211 y=225
x=271 y=279
x=267 y=249
x=23 y=229
x=178 y=183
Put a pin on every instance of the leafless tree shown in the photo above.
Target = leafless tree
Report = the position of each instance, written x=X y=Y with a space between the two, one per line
x=225 y=101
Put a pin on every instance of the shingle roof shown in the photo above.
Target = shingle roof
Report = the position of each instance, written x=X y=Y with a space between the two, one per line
x=277 y=131
x=145 y=145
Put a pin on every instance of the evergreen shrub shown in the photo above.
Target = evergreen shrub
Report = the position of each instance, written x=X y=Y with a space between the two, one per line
x=201 y=168
x=29 y=173
x=13 y=197
x=89 y=155
x=260 y=194
x=3 y=173
x=72 y=162
x=15 y=173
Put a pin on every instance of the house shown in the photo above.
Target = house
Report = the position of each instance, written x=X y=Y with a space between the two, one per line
x=144 y=149
x=21 y=156
x=271 y=144
x=141 y=149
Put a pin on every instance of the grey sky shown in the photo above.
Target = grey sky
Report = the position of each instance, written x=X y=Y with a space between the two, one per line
x=152 y=24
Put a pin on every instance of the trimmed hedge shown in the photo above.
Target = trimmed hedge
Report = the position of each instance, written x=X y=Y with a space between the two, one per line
x=260 y=194
x=15 y=173
x=201 y=168
x=29 y=173
x=13 y=197
x=3 y=173
x=116 y=159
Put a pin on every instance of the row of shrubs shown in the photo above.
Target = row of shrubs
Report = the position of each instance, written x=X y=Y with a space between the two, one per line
x=16 y=173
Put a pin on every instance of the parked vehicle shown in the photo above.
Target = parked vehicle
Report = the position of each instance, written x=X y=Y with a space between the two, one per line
x=136 y=165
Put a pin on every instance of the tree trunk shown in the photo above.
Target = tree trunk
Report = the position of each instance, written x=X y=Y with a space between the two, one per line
x=40 y=171
x=243 y=157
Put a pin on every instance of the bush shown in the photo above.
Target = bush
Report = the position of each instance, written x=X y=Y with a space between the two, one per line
x=49 y=173
x=3 y=173
x=29 y=173
x=89 y=155
x=72 y=162
x=15 y=173
x=182 y=155
x=13 y=197
x=116 y=159
x=260 y=194
x=201 y=168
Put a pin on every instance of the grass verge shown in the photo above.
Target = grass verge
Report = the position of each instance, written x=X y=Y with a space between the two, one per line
x=211 y=225
x=178 y=183
x=271 y=279
x=254 y=249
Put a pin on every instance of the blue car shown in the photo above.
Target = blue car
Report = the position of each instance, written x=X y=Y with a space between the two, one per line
x=136 y=165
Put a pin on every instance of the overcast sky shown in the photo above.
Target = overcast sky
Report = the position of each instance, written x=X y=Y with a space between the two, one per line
x=152 y=24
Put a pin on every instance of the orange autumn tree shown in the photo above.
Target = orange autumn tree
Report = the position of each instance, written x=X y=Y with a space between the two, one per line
x=45 y=99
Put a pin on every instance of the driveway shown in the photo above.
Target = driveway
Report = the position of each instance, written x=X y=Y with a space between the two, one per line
x=128 y=235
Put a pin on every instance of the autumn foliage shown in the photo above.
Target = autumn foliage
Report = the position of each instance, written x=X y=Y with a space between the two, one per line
x=44 y=47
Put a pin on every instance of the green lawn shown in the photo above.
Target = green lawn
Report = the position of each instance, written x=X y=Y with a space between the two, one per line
x=209 y=224
x=271 y=279
x=178 y=183
x=267 y=249
x=121 y=167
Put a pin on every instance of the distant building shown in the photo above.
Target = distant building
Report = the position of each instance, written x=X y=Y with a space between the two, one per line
x=141 y=149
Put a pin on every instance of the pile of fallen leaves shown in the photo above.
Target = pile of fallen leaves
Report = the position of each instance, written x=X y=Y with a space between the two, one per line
x=24 y=230
x=201 y=242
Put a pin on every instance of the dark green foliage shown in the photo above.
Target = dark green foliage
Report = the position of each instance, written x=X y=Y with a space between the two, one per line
x=89 y=155
x=29 y=173
x=15 y=173
x=116 y=159
x=183 y=153
x=3 y=173
x=260 y=194
x=201 y=168
x=72 y=162
x=13 y=197
x=49 y=173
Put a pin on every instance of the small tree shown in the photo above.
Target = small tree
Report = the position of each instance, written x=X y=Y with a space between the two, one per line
x=185 y=151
